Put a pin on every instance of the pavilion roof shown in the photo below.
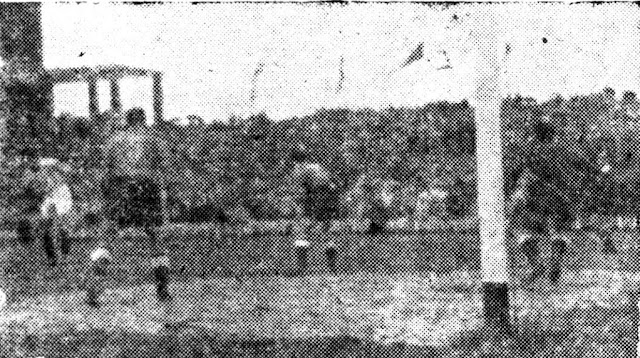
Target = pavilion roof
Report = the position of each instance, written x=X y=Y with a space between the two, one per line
x=81 y=74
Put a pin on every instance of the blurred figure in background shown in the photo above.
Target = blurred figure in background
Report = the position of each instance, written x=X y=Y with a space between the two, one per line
x=55 y=210
x=96 y=275
x=134 y=189
x=33 y=190
x=25 y=257
x=602 y=206
x=372 y=197
x=431 y=207
x=319 y=198
x=379 y=196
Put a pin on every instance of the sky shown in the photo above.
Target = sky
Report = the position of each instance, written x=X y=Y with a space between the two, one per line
x=209 y=53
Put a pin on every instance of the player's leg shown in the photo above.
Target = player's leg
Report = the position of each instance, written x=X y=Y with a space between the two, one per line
x=376 y=217
x=96 y=275
x=115 y=195
x=558 y=226
x=559 y=243
x=93 y=289
x=606 y=235
x=332 y=213
x=320 y=209
x=65 y=241
x=608 y=247
x=304 y=230
x=150 y=206
x=160 y=265
x=161 y=277
x=301 y=245
x=60 y=232
x=24 y=231
x=115 y=199
x=331 y=248
x=558 y=250
x=24 y=263
x=529 y=245
x=48 y=240
x=603 y=230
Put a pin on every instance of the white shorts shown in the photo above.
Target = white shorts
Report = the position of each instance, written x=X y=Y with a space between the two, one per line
x=60 y=199
x=560 y=237
x=100 y=254
x=301 y=243
x=160 y=261
x=522 y=237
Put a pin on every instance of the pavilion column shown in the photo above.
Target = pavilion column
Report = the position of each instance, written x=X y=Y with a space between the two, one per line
x=157 y=97
x=94 y=110
x=116 y=103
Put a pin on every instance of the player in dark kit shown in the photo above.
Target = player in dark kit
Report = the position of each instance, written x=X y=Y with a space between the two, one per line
x=524 y=225
x=134 y=188
x=31 y=196
x=539 y=208
x=379 y=200
x=319 y=199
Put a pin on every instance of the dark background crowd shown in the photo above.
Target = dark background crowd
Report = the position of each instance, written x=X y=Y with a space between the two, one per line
x=239 y=166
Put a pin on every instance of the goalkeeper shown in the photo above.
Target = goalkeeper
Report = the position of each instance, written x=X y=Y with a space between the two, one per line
x=319 y=198
x=539 y=207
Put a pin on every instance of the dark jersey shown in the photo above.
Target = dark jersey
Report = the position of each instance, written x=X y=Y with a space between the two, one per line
x=33 y=191
x=548 y=193
x=379 y=200
x=136 y=153
x=319 y=197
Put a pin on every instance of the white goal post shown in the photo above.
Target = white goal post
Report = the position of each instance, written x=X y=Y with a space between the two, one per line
x=490 y=171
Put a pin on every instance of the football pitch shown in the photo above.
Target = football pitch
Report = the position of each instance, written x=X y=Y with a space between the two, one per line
x=409 y=292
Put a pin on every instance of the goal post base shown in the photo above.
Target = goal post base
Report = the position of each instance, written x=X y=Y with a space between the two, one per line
x=495 y=299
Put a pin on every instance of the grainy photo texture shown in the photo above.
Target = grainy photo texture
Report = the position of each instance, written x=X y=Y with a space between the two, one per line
x=319 y=180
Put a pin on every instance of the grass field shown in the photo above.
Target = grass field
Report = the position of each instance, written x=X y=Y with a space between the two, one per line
x=408 y=295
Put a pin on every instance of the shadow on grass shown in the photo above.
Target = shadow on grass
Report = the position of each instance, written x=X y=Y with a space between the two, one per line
x=594 y=332
x=185 y=343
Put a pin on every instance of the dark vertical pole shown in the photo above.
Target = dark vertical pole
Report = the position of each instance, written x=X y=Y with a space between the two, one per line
x=157 y=97
x=4 y=111
x=21 y=54
x=116 y=104
x=21 y=57
x=94 y=109
x=635 y=312
x=490 y=175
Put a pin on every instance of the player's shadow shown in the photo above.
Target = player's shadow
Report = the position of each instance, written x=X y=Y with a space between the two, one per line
x=188 y=341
